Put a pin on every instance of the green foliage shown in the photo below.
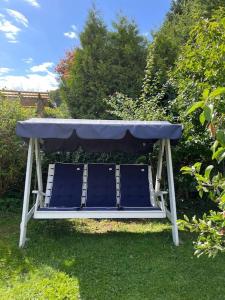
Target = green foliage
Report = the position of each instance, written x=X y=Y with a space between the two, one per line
x=168 y=42
x=10 y=204
x=58 y=107
x=55 y=97
x=125 y=108
x=128 y=50
x=108 y=61
x=60 y=111
x=211 y=227
x=12 y=152
x=201 y=64
x=190 y=77
x=165 y=49
x=210 y=230
x=86 y=85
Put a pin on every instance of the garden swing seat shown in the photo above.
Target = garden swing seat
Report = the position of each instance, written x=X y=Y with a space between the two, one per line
x=113 y=191
x=64 y=186
x=98 y=190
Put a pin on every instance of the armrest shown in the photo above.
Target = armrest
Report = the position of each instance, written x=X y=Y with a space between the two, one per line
x=38 y=192
x=160 y=193
x=162 y=201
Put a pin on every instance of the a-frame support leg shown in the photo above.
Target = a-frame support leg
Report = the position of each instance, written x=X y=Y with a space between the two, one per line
x=171 y=193
x=25 y=214
x=159 y=166
x=39 y=172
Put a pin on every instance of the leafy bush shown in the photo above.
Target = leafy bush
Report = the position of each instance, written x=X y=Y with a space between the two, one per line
x=12 y=151
x=201 y=63
x=211 y=227
x=9 y=204
x=125 y=108
x=198 y=73
x=60 y=111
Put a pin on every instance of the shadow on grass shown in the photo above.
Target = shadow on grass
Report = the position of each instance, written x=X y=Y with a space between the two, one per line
x=120 y=262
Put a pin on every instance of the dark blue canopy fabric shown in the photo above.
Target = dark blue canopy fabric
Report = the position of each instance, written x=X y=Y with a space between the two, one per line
x=97 y=135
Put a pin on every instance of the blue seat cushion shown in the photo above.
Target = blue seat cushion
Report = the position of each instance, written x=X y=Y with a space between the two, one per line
x=101 y=185
x=67 y=185
x=134 y=186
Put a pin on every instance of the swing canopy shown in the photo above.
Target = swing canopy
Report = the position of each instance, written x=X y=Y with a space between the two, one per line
x=97 y=135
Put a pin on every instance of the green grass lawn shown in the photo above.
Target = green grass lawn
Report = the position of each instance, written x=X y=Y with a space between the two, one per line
x=91 y=259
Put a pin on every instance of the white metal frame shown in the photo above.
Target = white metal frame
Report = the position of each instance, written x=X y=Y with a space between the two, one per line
x=161 y=212
x=151 y=188
x=100 y=214
x=26 y=214
x=172 y=214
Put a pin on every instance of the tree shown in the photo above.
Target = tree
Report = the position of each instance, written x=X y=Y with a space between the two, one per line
x=164 y=50
x=167 y=45
x=201 y=64
x=86 y=83
x=199 y=75
x=105 y=63
x=128 y=52
x=63 y=67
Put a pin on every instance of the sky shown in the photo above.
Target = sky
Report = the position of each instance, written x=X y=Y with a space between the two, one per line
x=35 y=34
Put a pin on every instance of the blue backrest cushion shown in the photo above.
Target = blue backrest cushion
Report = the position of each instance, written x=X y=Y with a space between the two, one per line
x=101 y=185
x=67 y=185
x=134 y=186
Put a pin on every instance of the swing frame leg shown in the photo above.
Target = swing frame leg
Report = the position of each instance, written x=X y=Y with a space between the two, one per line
x=26 y=215
x=172 y=215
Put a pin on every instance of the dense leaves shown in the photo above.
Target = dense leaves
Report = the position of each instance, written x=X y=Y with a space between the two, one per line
x=211 y=227
x=12 y=152
x=125 y=108
x=168 y=43
x=107 y=62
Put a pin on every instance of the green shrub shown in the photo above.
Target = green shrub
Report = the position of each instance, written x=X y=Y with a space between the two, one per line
x=12 y=151
x=210 y=227
x=8 y=204
x=125 y=108
x=200 y=79
x=60 y=111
